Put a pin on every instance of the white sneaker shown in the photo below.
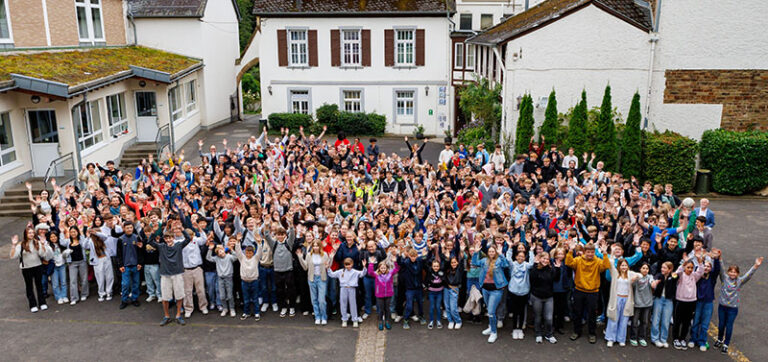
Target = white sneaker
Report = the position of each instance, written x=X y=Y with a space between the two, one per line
x=457 y=326
x=515 y=334
x=552 y=339
x=450 y=325
x=60 y=301
x=355 y=324
x=33 y=309
x=567 y=319
x=397 y=319
x=622 y=344
x=343 y=324
x=487 y=331
x=666 y=345
x=150 y=298
x=323 y=322
x=539 y=339
x=659 y=344
x=274 y=307
x=306 y=312
x=691 y=345
x=109 y=296
x=187 y=314
x=317 y=322
x=492 y=338
x=292 y=312
x=609 y=344
x=445 y=315
x=224 y=312
x=65 y=299
x=82 y=299
x=415 y=318
x=73 y=302
x=365 y=315
x=703 y=348
x=499 y=324
x=44 y=307
x=204 y=311
x=101 y=299
x=232 y=313
x=520 y=334
x=264 y=307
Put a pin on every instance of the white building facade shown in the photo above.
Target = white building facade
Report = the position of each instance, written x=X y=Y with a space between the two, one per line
x=380 y=60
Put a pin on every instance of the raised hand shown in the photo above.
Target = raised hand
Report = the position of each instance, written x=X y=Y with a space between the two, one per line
x=14 y=239
x=758 y=261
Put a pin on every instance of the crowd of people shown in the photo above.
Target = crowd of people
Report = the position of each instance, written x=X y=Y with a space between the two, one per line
x=300 y=224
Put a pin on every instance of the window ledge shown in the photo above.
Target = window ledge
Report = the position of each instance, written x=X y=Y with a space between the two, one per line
x=179 y=121
x=11 y=166
x=93 y=148
x=298 y=67
x=351 y=67
x=405 y=67
x=191 y=113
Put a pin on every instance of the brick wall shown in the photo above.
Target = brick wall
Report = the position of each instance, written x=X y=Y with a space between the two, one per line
x=62 y=21
x=27 y=22
x=114 y=22
x=742 y=92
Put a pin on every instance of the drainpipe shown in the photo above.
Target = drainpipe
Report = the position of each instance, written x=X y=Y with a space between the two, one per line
x=654 y=39
x=133 y=24
x=449 y=75
x=78 y=159
x=503 y=76
x=170 y=122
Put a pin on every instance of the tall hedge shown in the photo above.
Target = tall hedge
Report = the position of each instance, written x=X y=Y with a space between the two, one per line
x=289 y=120
x=738 y=160
x=577 y=127
x=524 y=125
x=606 y=148
x=631 y=143
x=548 y=129
x=669 y=158
x=328 y=114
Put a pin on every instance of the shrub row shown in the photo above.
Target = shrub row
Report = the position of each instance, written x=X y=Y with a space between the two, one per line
x=368 y=124
x=669 y=158
x=291 y=121
x=738 y=160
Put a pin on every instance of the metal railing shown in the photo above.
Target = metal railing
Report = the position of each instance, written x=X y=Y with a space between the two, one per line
x=163 y=140
x=62 y=168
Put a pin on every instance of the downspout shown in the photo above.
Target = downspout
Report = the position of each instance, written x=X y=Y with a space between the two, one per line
x=449 y=74
x=78 y=158
x=133 y=24
x=170 y=122
x=654 y=39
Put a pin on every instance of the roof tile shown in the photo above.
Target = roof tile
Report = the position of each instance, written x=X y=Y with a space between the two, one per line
x=318 y=7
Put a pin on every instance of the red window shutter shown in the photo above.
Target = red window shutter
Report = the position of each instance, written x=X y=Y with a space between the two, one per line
x=419 y=47
x=365 y=40
x=282 y=48
x=389 y=47
x=312 y=39
x=335 y=48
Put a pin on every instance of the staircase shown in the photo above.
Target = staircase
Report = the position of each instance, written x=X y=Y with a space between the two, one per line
x=15 y=202
x=137 y=152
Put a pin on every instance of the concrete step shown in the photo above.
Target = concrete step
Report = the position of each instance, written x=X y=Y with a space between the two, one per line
x=13 y=212
x=15 y=205
x=8 y=199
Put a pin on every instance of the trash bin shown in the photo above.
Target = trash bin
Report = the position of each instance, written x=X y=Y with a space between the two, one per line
x=262 y=123
x=703 y=181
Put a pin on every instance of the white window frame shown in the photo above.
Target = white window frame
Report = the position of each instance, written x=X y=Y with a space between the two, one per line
x=297 y=97
x=348 y=103
x=9 y=39
x=96 y=136
x=190 y=96
x=470 y=56
x=5 y=117
x=89 y=7
x=471 y=21
x=351 y=49
x=175 y=105
x=119 y=126
x=481 y=21
x=458 y=55
x=302 y=47
x=405 y=47
x=403 y=117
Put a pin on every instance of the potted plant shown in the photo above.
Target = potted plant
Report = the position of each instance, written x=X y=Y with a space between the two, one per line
x=418 y=132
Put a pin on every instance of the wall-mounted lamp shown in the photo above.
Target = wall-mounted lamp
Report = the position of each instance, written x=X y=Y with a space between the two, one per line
x=426 y=90
x=35 y=99
x=269 y=89
x=519 y=101
x=142 y=83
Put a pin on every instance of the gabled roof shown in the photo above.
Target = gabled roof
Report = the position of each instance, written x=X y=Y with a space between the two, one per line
x=315 y=8
x=171 y=8
x=552 y=10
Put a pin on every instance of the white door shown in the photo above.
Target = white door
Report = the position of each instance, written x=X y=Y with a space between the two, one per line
x=44 y=139
x=146 y=116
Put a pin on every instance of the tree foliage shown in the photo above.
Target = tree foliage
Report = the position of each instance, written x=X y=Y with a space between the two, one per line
x=482 y=101
x=605 y=147
x=524 y=125
x=631 y=141
x=549 y=128
x=577 y=127
x=247 y=22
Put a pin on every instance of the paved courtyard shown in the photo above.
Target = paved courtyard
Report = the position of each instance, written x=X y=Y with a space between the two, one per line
x=99 y=331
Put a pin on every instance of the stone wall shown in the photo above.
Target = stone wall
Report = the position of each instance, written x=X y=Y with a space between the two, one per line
x=743 y=94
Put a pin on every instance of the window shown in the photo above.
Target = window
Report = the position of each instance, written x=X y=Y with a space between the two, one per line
x=118 y=122
x=486 y=21
x=297 y=47
x=350 y=45
x=88 y=120
x=175 y=104
x=7 y=150
x=299 y=101
x=89 y=24
x=352 y=100
x=190 y=93
x=465 y=22
x=404 y=45
x=405 y=101
x=458 y=59
x=42 y=126
x=470 y=56
x=5 y=27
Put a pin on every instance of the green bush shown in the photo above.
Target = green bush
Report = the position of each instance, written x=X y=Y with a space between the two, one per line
x=328 y=114
x=738 y=160
x=551 y=123
x=369 y=124
x=631 y=143
x=578 y=137
x=475 y=134
x=606 y=147
x=669 y=158
x=291 y=121
x=524 y=125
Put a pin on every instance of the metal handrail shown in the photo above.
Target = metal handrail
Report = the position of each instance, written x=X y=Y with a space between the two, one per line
x=54 y=163
x=159 y=139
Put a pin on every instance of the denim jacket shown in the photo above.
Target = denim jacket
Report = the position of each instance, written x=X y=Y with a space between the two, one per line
x=519 y=282
x=499 y=278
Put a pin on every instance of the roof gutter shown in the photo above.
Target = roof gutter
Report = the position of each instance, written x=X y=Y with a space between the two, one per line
x=352 y=14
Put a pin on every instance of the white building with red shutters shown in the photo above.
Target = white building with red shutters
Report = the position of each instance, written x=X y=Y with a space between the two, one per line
x=390 y=57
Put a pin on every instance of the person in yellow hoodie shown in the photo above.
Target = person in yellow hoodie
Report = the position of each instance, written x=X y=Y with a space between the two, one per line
x=587 y=269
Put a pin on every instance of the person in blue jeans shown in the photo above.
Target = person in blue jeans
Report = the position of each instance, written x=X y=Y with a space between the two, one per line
x=493 y=280
x=128 y=245
x=705 y=293
x=453 y=276
x=435 y=282
x=411 y=268
x=729 y=300
x=315 y=262
x=664 y=290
